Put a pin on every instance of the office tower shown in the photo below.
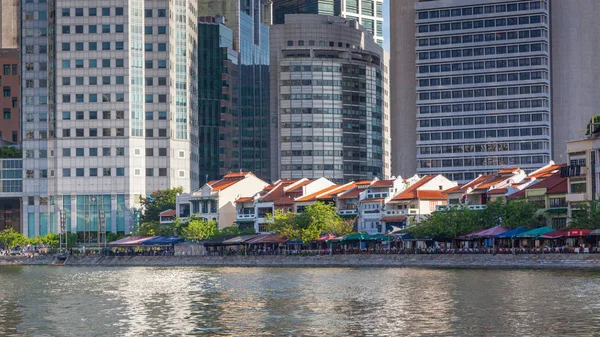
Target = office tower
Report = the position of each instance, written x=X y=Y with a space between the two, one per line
x=11 y=97
x=247 y=19
x=368 y=13
x=218 y=69
x=329 y=91
x=110 y=110
x=482 y=86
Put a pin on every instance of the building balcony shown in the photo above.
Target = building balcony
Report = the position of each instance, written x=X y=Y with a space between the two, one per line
x=347 y=212
x=396 y=212
x=575 y=197
x=246 y=217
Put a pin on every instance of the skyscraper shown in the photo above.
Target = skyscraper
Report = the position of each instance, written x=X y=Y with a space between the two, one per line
x=368 y=13
x=250 y=33
x=329 y=97
x=482 y=87
x=501 y=41
x=110 y=110
x=218 y=94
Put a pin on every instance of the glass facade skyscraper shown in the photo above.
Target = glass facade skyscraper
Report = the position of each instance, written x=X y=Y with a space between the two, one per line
x=218 y=94
x=246 y=19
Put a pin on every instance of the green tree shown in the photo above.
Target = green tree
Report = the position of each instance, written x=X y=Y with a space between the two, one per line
x=520 y=213
x=449 y=224
x=284 y=224
x=157 y=202
x=342 y=227
x=200 y=230
x=9 y=238
x=493 y=215
x=587 y=216
x=233 y=231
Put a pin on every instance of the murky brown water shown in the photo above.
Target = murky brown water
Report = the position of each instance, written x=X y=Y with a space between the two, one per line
x=137 y=301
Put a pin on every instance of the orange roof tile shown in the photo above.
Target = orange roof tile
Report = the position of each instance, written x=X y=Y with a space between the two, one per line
x=489 y=183
x=508 y=170
x=327 y=193
x=431 y=195
x=471 y=184
x=383 y=183
x=298 y=188
x=411 y=192
x=546 y=172
x=236 y=175
x=169 y=212
x=223 y=184
x=244 y=199
x=352 y=194
x=498 y=191
x=314 y=196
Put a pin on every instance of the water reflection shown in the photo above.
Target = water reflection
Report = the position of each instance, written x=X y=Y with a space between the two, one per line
x=301 y=302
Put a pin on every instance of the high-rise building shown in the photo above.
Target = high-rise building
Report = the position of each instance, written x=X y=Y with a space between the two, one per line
x=329 y=97
x=501 y=41
x=368 y=13
x=218 y=76
x=110 y=110
x=248 y=21
x=482 y=87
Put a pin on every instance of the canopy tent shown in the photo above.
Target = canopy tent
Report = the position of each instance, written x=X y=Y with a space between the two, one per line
x=486 y=233
x=553 y=235
x=325 y=238
x=238 y=240
x=271 y=239
x=130 y=241
x=379 y=237
x=162 y=241
x=577 y=232
x=535 y=233
x=511 y=233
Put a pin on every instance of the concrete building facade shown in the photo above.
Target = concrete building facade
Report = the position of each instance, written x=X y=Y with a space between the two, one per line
x=110 y=111
x=329 y=101
x=567 y=55
x=369 y=13
x=9 y=24
x=10 y=99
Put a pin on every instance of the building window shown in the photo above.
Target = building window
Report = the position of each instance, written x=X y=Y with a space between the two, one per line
x=79 y=172
x=93 y=172
x=120 y=172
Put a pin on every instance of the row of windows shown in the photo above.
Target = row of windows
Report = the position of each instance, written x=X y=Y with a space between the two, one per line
x=489 y=23
x=498 y=77
x=485 y=106
x=106 y=11
x=311 y=43
x=311 y=68
x=468 y=52
x=311 y=97
x=327 y=83
x=106 y=63
x=94 y=172
x=479 y=134
x=9 y=69
x=312 y=153
x=79 y=115
x=326 y=125
x=487 y=37
x=104 y=132
x=310 y=139
x=490 y=147
x=300 y=167
x=107 y=98
x=92 y=80
x=480 y=120
x=488 y=92
x=483 y=161
x=478 y=10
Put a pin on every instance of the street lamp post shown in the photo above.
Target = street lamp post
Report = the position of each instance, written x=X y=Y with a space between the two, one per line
x=102 y=228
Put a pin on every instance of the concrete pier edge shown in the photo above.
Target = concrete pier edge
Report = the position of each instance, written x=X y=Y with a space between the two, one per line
x=474 y=261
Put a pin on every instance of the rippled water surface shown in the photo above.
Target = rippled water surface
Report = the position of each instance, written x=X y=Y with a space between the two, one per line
x=138 y=301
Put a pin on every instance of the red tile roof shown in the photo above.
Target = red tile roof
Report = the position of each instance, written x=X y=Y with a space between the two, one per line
x=236 y=175
x=431 y=195
x=471 y=184
x=489 y=183
x=298 y=187
x=169 y=212
x=383 y=183
x=508 y=170
x=316 y=195
x=546 y=172
x=553 y=184
x=244 y=199
x=498 y=191
x=223 y=184
x=560 y=188
x=352 y=194
x=411 y=192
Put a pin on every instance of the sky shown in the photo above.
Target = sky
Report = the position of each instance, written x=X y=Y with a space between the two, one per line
x=386 y=24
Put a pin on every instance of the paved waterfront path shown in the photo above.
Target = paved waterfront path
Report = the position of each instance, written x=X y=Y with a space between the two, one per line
x=483 y=261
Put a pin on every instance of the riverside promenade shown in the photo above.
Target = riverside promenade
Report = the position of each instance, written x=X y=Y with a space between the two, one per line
x=454 y=261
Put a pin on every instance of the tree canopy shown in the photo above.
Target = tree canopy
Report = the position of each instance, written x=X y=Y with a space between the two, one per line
x=157 y=202
x=9 y=238
x=309 y=225
x=587 y=216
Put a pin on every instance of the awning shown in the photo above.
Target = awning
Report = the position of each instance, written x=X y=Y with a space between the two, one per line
x=577 y=232
x=266 y=239
x=511 y=233
x=238 y=240
x=486 y=233
x=400 y=218
x=553 y=235
x=535 y=233
x=325 y=238
x=595 y=232
x=162 y=241
x=557 y=210
x=130 y=241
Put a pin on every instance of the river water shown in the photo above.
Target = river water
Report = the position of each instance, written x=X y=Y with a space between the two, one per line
x=139 y=301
